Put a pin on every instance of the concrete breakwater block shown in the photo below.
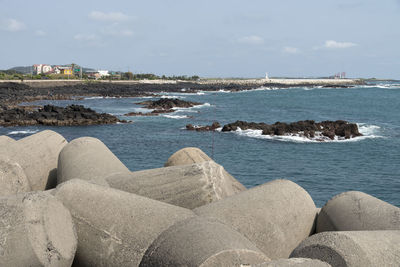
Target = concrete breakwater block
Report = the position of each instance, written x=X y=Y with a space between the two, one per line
x=198 y=242
x=87 y=158
x=36 y=230
x=188 y=186
x=353 y=248
x=5 y=140
x=187 y=155
x=12 y=178
x=115 y=228
x=37 y=154
x=275 y=216
x=293 y=262
x=353 y=211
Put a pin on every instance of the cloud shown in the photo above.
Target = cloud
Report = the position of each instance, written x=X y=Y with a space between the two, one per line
x=40 y=33
x=109 y=17
x=85 y=37
x=290 y=50
x=252 y=39
x=12 y=25
x=333 y=44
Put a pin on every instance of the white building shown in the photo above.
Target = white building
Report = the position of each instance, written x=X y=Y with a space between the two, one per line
x=103 y=73
x=42 y=68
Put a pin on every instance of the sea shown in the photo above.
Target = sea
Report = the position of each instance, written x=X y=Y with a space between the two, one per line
x=370 y=163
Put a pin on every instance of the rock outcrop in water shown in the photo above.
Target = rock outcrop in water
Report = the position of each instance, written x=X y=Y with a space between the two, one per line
x=146 y=218
x=54 y=116
x=201 y=128
x=164 y=105
x=308 y=128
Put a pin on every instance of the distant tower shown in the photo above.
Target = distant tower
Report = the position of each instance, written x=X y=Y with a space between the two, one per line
x=266 y=76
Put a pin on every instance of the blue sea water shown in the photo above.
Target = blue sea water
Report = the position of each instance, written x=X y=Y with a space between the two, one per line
x=370 y=163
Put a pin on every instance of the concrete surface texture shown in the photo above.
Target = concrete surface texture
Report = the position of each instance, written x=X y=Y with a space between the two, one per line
x=353 y=248
x=115 y=228
x=37 y=154
x=351 y=211
x=188 y=186
x=293 y=262
x=36 y=230
x=87 y=158
x=12 y=178
x=198 y=242
x=187 y=155
x=4 y=140
x=44 y=148
x=276 y=216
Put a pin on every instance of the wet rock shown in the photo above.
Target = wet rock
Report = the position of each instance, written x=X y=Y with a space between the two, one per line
x=54 y=116
x=200 y=128
x=167 y=104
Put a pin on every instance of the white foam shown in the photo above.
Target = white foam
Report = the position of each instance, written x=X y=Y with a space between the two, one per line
x=200 y=93
x=177 y=109
x=23 y=132
x=368 y=132
x=172 y=96
x=224 y=91
x=175 y=116
x=98 y=97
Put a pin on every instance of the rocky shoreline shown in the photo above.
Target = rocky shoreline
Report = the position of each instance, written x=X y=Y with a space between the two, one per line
x=50 y=115
x=309 y=129
x=162 y=106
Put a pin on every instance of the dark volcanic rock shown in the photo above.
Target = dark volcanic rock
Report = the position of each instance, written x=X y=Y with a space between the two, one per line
x=55 y=116
x=168 y=104
x=308 y=128
x=200 y=128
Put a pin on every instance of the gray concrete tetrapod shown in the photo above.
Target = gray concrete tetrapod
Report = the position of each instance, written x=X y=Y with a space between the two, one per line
x=115 y=228
x=87 y=158
x=36 y=230
x=5 y=140
x=294 y=262
x=188 y=186
x=198 y=242
x=37 y=154
x=13 y=179
x=353 y=211
x=187 y=155
x=353 y=248
x=276 y=216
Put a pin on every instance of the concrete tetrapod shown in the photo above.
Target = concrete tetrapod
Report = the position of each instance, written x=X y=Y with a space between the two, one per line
x=198 y=242
x=353 y=211
x=353 y=248
x=87 y=158
x=276 y=216
x=37 y=154
x=5 y=140
x=187 y=155
x=12 y=178
x=36 y=230
x=115 y=228
x=294 y=262
x=188 y=186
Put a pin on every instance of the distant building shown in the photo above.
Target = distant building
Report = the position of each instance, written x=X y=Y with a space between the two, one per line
x=103 y=73
x=42 y=69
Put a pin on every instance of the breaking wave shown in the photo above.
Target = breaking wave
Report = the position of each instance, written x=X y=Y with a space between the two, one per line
x=368 y=131
x=175 y=116
x=23 y=132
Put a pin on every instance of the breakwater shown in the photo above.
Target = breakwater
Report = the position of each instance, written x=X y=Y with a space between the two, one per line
x=189 y=213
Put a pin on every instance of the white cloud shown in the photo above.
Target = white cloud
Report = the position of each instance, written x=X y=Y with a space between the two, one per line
x=252 y=39
x=109 y=17
x=40 y=33
x=290 y=50
x=85 y=37
x=333 y=44
x=12 y=25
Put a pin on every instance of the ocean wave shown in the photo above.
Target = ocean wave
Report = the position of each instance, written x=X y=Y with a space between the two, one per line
x=98 y=97
x=172 y=96
x=175 y=116
x=23 y=132
x=368 y=131
x=177 y=109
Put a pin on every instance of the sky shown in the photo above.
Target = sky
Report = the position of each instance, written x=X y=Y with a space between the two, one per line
x=220 y=38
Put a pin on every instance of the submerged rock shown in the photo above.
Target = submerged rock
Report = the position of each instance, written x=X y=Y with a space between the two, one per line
x=54 y=116
x=307 y=128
